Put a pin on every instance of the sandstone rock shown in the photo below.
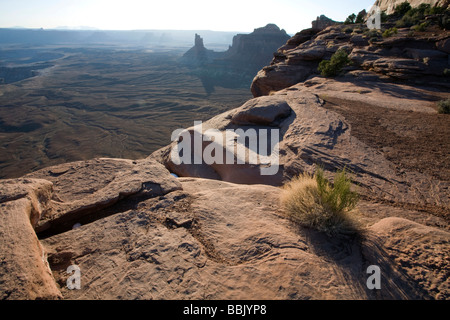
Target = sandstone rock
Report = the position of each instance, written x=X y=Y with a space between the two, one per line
x=255 y=49
x=403 y=239
x=359 y=40
x=83 y=187
x=281 y=76
x=309 y=135
x=360 y=56
x=261 y=111
x=218 y=240
x=379 y=93
x=420 y=54
x=240 y=167
x=219 y=232
x=298 y=39
x=24 y=271
x=313 y=53
x=219 y=251
x=397 y=68
x=399 y=57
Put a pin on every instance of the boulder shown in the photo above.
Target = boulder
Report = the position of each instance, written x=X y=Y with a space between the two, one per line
x=280 y=76
x=261 y=111
x=313 y=53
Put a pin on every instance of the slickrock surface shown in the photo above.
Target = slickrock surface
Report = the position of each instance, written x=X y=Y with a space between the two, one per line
x=197 y=238
x=85 y=187
x=311 y=135
x=158 y=229
x=217 y=240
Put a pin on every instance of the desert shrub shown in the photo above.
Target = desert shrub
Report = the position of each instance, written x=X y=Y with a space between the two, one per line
x=390 y=32
x=332 y=67
x=420 y=27
x=312 y=201
x=415 y=16
x=402 y=8
x=408 y=20
x=426 y=9
x=436 y=10
x=444 y=106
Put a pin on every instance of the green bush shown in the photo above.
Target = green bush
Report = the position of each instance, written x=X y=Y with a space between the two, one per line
x=332 y=67
x=444 y=106
x=409 y=20
x=415 y=16
x=337 y=197
x=390 y=32
x=436 y=10
x=314 y=202
x=402 y=8
x=420 y=27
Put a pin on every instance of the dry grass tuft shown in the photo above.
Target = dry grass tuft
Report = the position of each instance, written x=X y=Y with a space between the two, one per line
x=312 y=201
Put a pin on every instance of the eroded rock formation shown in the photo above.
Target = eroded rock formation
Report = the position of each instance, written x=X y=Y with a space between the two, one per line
x=402 y=56
x=198 y=55
x=244 y=58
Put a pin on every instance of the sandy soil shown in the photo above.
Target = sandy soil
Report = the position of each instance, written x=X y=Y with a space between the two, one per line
x=414 y=141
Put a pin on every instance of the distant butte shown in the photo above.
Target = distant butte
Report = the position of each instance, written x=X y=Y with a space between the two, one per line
x=247 y=54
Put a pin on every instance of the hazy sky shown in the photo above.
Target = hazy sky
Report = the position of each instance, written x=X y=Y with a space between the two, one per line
x=224 y=15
